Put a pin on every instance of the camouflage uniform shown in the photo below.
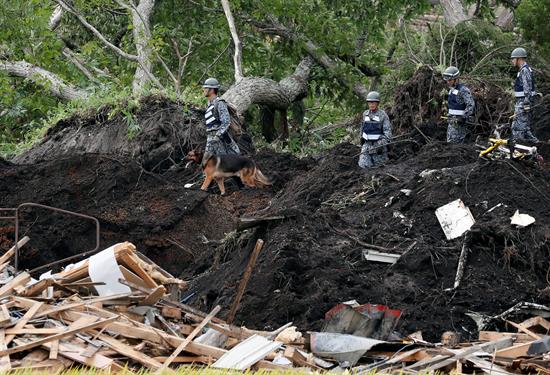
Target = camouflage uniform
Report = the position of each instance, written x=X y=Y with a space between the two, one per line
x=461 y=106
x=218 y=140
x=524 y=91
x=371 y=152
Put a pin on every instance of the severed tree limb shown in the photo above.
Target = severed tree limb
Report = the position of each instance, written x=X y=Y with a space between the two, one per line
x=55 y=18
x=237 y=58
x=94 y=31
x=70 y=55
x=55 y=84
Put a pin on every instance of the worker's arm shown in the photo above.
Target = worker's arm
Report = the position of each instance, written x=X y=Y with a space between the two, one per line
x=224 y=117
x=527 y=79
x=468 y=100
x=386 y=127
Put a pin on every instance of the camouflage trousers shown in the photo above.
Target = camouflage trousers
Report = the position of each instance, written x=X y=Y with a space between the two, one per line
x=456 y=130
x=217 y=146
x=372 y=155
x=521 y=126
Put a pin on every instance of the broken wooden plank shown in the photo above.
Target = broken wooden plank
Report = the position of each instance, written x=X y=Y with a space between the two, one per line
x=488 y=367
x=524 y=330
x=519 y=338
x=58 y=336
x=189 y=338
x=8 y=254
x=129 y=352
x=514 y=351
x=5 y=362
x=536 y=321
x=244 y=281
x=133 y=265
x=5 y=317
x=54 y=349
x=250 y=222
x=18 y=280
x=171 y=312
x=153 y=297
x=487 y=347
x=36 y=288
x=24 y=319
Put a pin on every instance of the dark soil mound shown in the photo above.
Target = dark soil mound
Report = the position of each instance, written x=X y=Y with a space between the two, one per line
x=163 y=132
x=332 y=211
x=423 y=98
x=313 y=259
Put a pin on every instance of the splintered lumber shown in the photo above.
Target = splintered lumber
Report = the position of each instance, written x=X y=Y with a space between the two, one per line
x=24 y=320
x=74 y=353
x=536 y=321
x=190 y=338
x=18 y=280
x=154 y=296
x=5 y=362
x=37 y=288
x=58 y=336
x=5 y=318
x=8 y=254
x=524 y=330
x=198 y=315
x=488 y=367
x=129 y=352
x=519 y=338
x=444 y=361
x=244 y=281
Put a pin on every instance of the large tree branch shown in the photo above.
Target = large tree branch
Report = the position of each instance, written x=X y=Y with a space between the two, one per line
x=237 y=58
x=55 y=18
x=265 y=91
x=320 y=57
x=51 y=81
x=94 y=31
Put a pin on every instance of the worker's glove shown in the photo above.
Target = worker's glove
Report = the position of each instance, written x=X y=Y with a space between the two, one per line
x=527 y=107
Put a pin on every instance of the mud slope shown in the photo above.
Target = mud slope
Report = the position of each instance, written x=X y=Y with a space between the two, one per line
x=313 y=259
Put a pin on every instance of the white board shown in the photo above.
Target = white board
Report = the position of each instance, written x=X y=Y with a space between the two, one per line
x=455 y=219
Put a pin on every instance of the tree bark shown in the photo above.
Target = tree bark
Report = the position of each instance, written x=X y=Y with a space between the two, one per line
x=142 y=37
x=454 y=12
x=265 y=91
x=237 y=58
x=55 y=18
x=55 y=84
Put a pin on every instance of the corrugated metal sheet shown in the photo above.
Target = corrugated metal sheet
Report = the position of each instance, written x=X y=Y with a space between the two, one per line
x=247 y=353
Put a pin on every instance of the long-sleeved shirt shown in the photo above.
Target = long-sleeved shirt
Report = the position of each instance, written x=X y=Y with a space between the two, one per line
x=526 y=77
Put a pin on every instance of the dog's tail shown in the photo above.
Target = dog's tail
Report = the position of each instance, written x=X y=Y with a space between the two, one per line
x=260 y=179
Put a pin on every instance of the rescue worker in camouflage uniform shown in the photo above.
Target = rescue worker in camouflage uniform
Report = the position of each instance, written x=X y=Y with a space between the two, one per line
x=376 y=133
x=524 y=91
x=218 y=140
x=461 y=106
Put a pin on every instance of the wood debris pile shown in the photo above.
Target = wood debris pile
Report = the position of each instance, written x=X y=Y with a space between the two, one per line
x=117 y=310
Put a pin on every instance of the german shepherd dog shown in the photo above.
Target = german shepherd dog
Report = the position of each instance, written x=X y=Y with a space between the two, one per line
x=219 y=167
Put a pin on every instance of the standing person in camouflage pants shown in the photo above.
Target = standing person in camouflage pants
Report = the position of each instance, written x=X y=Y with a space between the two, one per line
x=460 y=105
x=524 y=91
x=218 y=140
x=376 y=133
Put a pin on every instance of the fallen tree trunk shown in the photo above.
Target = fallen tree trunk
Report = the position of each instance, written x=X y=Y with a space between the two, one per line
x=51 y=81
x=265 y=91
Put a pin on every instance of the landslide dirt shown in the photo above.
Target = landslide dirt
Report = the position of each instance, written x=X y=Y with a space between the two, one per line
x=332 y=211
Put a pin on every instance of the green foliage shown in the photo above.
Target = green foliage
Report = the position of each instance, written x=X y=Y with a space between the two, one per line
x=532 y=16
